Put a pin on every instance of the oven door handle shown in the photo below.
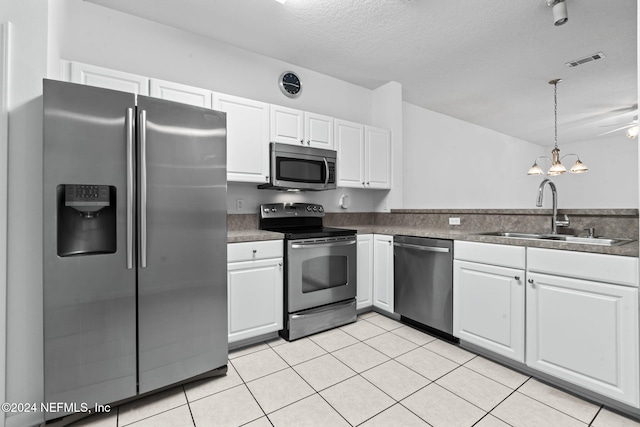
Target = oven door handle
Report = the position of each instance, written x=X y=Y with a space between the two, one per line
x=322 y=245
x=315 y=311
x=326 y=169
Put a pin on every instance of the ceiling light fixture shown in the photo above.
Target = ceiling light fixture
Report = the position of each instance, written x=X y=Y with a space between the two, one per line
x=557 y=168
x=559 y=9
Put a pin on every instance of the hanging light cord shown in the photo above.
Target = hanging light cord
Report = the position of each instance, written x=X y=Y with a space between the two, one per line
x=555 y=111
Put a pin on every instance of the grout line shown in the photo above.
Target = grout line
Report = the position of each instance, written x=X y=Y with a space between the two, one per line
x=193 y=420
x=596 y=415
x=553 y=407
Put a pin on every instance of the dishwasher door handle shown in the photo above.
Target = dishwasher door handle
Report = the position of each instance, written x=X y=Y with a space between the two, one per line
x=420 y=247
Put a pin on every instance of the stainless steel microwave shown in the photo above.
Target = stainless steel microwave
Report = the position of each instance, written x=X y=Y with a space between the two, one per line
x=294 y=167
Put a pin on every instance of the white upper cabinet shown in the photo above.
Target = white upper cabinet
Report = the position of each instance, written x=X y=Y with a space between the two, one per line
x=378 y=158
x=318 y=131
x=181 y=93
x=92 y=75
x=287 y=125
x=247 y=137
x=364 y=156
x=291 y=126
x=350 y=148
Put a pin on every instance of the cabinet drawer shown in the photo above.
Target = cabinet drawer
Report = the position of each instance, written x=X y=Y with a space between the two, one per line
x=247 y=251
x=490 y=253
x=616 y=269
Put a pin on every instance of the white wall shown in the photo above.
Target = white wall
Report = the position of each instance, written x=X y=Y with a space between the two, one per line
x=449 y=163
x=28 y=65
x=4 y=152
x=612 y=180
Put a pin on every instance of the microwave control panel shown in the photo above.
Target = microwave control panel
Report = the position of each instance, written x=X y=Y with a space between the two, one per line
x=332 y=173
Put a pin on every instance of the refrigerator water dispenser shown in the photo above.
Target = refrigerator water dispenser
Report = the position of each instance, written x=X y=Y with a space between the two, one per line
x=86 y=220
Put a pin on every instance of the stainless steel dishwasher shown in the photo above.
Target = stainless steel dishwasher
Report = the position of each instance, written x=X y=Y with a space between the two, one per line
x=423 y=283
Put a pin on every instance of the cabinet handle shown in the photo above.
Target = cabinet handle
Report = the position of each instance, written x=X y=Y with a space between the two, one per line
x=254 y=251
x=530 y=281
x=308 y=142
x=517 y=278
x=302 y=141
x=280 y=264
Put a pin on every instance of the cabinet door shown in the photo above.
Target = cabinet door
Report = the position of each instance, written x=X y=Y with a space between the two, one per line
x=287 y=125
x=108 y=79
x=318 y=131
x=383 y=272
x=247 y=137
x=365 y=271
x=181 y=93
x=255 y=300
x=488 y=307
x=350 y=146
x=378 y=158
x=584 y=332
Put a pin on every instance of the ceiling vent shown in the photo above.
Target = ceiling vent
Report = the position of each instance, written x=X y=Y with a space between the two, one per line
x=584 y=60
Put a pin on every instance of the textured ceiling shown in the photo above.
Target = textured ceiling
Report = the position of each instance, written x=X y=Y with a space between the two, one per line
x=483 y=61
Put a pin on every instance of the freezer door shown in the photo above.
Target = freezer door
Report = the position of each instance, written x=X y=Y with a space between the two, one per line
x=182 y=262
x=89 y=294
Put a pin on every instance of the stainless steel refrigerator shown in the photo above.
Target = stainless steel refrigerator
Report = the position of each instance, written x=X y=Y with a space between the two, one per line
x=135 y=294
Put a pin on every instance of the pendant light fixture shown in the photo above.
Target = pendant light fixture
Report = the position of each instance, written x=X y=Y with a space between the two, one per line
x=557 y=168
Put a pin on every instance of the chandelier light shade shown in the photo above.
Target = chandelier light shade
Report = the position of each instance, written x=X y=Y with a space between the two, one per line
x=557 y=168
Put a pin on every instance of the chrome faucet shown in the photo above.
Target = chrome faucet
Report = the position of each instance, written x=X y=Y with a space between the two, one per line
x=555 y=223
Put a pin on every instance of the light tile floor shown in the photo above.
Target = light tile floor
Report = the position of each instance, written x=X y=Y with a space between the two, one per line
x=375 y=372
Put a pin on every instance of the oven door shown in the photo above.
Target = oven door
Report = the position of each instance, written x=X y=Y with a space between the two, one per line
x=320 y=271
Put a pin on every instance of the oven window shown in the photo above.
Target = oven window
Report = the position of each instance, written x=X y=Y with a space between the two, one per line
x=299 y=170
x=324 y=272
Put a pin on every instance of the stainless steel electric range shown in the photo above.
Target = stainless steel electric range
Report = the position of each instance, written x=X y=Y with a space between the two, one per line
x=320 y=268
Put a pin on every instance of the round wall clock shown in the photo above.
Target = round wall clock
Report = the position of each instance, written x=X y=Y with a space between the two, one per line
x=290 y=84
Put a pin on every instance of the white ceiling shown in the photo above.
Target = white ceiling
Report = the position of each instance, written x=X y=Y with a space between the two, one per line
x=483 y=61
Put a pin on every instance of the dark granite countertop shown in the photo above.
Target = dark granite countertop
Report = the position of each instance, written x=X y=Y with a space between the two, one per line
x=628 y=249
x=252 y=235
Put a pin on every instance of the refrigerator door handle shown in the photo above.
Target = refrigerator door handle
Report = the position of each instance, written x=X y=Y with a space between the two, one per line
x=130 y=178
x=143 y=188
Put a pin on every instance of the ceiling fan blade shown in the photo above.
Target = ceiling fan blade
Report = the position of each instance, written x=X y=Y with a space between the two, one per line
x=630 y=125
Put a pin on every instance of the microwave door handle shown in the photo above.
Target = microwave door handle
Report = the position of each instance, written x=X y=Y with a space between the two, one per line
x=326 y=168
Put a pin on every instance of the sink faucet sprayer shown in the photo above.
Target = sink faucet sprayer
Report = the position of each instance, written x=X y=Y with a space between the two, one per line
x=555 y=223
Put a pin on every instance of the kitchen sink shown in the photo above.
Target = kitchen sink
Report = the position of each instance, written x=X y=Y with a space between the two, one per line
x=601 y=241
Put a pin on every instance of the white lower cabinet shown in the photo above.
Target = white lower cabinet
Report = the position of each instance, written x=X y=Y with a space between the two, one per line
x=365 y=271
x=255 y=289
x=383 y=272
x=489 y=297
x=584 y=331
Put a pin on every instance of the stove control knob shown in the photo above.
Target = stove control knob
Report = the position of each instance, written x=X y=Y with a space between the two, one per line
x=266 y=210
x=315 y=209
x=320 y=209
x=308 y=208
x=273 y=209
